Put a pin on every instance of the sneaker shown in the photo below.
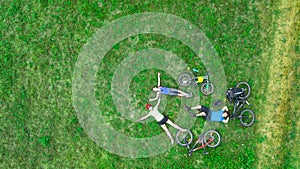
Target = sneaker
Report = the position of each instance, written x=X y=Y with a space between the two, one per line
x=187 y=108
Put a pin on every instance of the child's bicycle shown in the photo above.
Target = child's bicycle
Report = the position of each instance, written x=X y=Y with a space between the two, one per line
x=238 y=96
x=211 y=139
x=189 y=78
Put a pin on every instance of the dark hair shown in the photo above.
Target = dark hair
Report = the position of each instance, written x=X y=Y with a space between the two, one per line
x=228 y=114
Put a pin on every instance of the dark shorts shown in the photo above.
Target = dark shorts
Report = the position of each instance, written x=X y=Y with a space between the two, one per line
x=173 y=92
x=164 y=120
x=207 y=112
x=204 y=109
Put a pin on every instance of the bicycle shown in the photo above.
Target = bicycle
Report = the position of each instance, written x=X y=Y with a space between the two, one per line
x=239 y=92
x=210 y=139
x=238 y=95
x=192 y=78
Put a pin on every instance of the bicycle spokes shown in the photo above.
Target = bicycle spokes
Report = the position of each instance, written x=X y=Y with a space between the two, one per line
x=247 y=117
x=212 y=138
x=184 y=138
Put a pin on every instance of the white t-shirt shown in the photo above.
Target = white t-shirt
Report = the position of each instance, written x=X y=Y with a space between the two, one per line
x=156 y=114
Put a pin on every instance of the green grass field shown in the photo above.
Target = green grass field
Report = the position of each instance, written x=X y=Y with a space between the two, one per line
x=258 y=42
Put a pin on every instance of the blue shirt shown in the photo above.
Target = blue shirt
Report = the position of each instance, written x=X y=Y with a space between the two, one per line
x=164 y=90
x=216 y=116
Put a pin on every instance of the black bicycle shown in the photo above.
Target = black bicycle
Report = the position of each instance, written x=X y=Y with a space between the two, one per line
x=238 y=96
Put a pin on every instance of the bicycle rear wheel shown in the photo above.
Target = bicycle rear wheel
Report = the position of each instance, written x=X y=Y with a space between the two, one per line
x=185 y=79
x=247 y=117
x=184 y=138
x=207 y=88
x=212 y=138
x=246 y=86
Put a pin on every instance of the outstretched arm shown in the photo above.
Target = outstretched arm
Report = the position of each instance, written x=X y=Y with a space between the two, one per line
x=158 y=102
x=143 y=118
x=157 y=95
x=225 y=120
x=158 y=79
x=225 y=108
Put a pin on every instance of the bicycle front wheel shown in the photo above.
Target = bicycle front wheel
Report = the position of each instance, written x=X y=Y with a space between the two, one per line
x=247 y=88
x=212 y=138
x=185 y=79
x=184 y=138
x=207 y=88
x=247 y=117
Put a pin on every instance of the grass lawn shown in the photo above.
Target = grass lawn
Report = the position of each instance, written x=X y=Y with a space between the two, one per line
x=40 y=44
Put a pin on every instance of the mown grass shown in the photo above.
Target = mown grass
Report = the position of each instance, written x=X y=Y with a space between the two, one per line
x=279 y=118
x=40 y=43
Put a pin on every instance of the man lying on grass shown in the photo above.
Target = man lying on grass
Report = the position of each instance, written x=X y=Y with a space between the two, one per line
x=219 y=116
x=161 y=119
x=167 y=91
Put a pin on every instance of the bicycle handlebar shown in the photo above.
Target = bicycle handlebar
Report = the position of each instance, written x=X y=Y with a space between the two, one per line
x=195 y=70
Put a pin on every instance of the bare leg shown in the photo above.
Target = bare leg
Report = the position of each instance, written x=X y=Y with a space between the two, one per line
x=187 y=108
x=182 y=93
x=196 y=107
x=185 y=95
x=201 y=114
x=174 y=125
x=168 y=133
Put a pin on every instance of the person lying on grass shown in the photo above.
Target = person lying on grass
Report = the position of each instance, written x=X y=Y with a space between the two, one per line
x=219 y=116
x=161 y=119
x=167 y=91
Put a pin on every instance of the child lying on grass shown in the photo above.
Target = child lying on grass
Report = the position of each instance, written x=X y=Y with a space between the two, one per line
x=167 y=91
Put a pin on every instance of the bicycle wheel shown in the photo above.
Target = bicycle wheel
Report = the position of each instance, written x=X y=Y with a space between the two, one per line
x=212 y=138
x=207 y=88
x=185 y=79
x=184 y=138
x=245 y=86
x=247 y=117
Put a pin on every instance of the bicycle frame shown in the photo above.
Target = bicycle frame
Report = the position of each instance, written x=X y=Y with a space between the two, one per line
x=239 y=100
x=191 y=78
x=238 y=105
x=202 y=146
x=195 y=72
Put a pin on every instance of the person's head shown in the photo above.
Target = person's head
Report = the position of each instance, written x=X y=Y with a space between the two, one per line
x=155 y=89
x=148 y=106
x=225 y=114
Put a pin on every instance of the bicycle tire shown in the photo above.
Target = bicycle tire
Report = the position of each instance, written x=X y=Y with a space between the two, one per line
x=185 y=79
x=181 y=135
x=248 y=89
x=243 y=114
x=212 y=134
x=204 y=91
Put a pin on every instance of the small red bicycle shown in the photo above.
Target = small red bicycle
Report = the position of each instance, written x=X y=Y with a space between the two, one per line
x=211 y=139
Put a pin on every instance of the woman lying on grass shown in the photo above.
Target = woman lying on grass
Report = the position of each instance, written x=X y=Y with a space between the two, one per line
x=161 y=119
x=167 y=91
x=219 y=116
